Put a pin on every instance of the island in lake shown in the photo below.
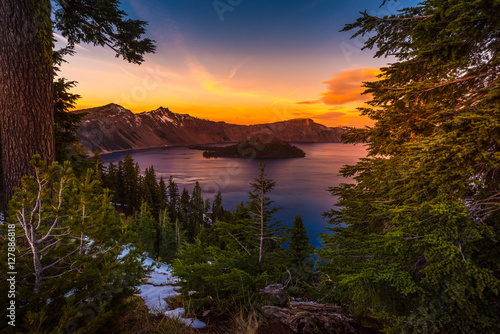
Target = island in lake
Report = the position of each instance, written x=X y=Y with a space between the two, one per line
x=260 y=146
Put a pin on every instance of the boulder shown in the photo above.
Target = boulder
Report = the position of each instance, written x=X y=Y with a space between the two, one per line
x=277 y=295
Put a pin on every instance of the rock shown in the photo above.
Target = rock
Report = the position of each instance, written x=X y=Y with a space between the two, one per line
x=277 y=294
x=308 y=318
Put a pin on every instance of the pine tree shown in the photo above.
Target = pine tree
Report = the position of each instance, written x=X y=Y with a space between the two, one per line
x=207 y=207
x=243 y=260
x=150 y=190
x=184 y=213
x=120 y=186
x=195 y=212
x=140 y=185
x=197 y=204
x=97 y=165
x=162 y=194
x=253 y=227
x=267 y=230
x=65 y=123
x=420 y=246
x=300 y=245
x=168 y=238
x=146 y=232
x=177 y=231
x=173 y=196
x=131 y=185
x=217 y=208
x=111 y=181
x=68 y=247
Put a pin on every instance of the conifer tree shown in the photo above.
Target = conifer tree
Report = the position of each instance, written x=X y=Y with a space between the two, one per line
x=173 y=196
x=146 y=232
x=300 y=245
x=150 y=190
x=97 y=165
x=68 y=247
x=65 y=123
x=111 y=181
x=244 y=259
x=120 y=186
x=422 y=219
x=140 y=185
x=131 y=185
x=207 y=206
x=197 y=205
x=168 y=238
x=253 y=226
x=185 y=213
x=162 y=194
x=265 y=228
x=177 y=232
x=217 y=208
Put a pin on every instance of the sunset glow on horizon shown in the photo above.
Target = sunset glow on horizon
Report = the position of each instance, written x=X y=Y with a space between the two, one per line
x=260 y=63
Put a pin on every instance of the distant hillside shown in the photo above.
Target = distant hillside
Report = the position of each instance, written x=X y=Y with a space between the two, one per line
x=260 y=146
x=113 y=128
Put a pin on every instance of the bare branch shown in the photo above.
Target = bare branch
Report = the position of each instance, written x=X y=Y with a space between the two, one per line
x=246 y=250
x=48 y=246
x=59 y=260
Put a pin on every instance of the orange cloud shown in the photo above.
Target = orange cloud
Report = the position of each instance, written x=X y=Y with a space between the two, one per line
x=309 y=102
x=346 y=86
x=302 y=114
x=329 y=115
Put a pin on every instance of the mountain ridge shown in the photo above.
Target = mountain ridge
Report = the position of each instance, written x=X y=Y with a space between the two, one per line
x=112 y=128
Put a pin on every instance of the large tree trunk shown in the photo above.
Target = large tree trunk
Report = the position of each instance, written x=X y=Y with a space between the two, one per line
x=26 y=96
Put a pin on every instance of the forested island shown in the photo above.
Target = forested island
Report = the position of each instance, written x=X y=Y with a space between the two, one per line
x=260 y=146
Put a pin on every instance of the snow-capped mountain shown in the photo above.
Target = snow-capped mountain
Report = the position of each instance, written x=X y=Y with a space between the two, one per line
x=113 y=128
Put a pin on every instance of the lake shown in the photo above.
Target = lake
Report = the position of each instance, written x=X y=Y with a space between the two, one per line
x=301 y=183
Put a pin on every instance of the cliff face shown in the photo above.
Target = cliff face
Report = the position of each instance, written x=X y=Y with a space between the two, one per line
x=113 y=128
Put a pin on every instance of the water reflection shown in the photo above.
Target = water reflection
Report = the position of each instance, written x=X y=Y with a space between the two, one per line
x=301 y=183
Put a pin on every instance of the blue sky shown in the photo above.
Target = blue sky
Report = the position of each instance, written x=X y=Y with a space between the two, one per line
x=242 y=61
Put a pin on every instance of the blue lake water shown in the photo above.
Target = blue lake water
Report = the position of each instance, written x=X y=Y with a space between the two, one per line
x=301 y=183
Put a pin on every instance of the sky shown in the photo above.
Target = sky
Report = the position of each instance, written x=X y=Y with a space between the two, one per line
x=239 y=61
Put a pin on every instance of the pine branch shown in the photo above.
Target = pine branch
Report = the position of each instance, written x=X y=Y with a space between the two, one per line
x=386 y=19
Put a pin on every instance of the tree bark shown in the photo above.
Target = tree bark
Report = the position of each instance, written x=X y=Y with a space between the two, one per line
x=26 y=91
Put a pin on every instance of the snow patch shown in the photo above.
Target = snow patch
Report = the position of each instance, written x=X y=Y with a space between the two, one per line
x=124 y=253
x=160 y=287
x=155 y=296
x=166 y=119
x=179 y=312
x=69 y=293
